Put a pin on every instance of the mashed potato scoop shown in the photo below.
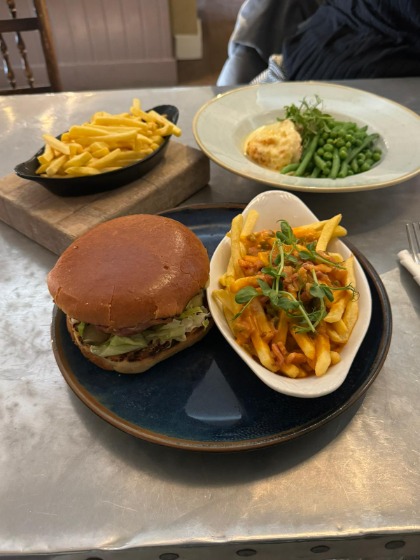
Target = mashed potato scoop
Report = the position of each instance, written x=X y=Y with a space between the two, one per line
x=275 y=145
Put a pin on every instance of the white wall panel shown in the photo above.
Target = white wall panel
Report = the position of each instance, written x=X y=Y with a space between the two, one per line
x=105 y=44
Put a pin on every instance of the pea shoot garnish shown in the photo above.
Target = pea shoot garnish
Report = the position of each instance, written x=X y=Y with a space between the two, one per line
x=307 y=307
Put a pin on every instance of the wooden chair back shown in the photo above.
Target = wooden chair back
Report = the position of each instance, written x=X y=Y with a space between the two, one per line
x=13 y=29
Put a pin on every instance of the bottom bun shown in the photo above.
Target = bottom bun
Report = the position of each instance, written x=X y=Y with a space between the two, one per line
x=137 y=361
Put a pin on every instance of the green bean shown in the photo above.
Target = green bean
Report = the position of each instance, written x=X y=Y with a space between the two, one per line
x=316 y=171
x=355 y=166
x=310 y=150
x=319 y=162
x=335 y=165
x=366 y=142
x=343 y=170
x=341 y=125
x=289 y=168
x=333 y=148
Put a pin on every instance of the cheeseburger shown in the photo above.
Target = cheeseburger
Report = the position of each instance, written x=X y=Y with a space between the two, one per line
x=132 y=289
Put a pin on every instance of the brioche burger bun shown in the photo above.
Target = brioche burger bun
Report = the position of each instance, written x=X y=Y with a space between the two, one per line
x=132 y=289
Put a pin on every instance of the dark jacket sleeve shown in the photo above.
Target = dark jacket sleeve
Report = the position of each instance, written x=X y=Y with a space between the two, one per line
x=350 y=39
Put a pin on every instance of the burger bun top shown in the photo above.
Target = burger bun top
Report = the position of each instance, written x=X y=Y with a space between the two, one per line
x=128 y=271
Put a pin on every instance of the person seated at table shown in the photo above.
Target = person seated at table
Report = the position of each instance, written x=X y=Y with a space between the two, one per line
x=275 y=40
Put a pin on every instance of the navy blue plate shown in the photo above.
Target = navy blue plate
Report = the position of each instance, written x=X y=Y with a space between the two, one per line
x=205 y=398
x=92 y=184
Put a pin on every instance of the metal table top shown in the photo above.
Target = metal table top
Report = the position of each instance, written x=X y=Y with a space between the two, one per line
x=73 y=486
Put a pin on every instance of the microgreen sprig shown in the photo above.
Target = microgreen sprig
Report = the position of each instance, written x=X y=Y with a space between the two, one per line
x=279 y=299
x=282 y=250
x=309 y=120
x=311 y=254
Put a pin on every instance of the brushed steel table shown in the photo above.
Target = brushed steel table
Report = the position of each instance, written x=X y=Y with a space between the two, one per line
x=73 y=486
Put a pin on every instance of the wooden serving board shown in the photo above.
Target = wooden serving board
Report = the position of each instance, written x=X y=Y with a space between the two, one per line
x=54 y=222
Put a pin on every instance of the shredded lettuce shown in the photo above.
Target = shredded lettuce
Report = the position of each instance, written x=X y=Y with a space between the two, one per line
x=81 y=328
x=119 y=345
x=193 y=316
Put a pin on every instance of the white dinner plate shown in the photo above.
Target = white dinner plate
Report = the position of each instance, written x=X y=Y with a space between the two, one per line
x=222 y=125
x=273 y=206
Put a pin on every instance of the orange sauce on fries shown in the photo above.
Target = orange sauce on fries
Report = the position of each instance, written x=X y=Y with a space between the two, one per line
x=289 y=302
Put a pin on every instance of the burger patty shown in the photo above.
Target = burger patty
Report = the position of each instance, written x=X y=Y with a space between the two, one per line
x=128 y=331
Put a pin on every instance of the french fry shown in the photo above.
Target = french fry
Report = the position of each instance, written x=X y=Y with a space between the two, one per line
x=282 y=328
x=240 y=283
x=313 y=231
x=290 y=370
x=263 y=351
x=327 y=232
x=335 y=357
x=323 y=354
x=350 y=314
x=55 y=165
x=81 y=171
x=41 y=170
x=106 y=160
x=349 y=264
x=338 y=332
x=47 y=156
x=78 y=161
x=264 y=326
x=171 y=127
x=80 y=131
x=271 y=322
x=56 y=144
x=305 y=343
x=249 y=223
x=136 y=133
x=236 y=230
x=338 y=307
x=227 y=300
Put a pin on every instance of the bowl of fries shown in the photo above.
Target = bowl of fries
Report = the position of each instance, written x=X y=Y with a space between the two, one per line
x=289 y=296
x=107 y=152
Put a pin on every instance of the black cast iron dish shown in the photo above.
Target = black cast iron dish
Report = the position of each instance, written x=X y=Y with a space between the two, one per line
x=80 y=186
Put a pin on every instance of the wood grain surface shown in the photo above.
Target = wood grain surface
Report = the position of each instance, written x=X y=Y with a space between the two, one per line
x=54 y=222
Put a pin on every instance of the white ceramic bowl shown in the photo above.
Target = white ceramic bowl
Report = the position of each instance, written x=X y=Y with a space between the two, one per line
x=222 y=125
x=273 y=206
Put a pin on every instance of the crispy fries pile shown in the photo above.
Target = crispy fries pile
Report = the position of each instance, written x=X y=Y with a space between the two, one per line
x=289 y=302
x=106 y=143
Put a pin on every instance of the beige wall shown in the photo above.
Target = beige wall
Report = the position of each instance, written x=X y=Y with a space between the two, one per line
x=183 y=17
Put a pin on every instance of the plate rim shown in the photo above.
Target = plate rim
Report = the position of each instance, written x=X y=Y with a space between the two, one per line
x=288 y=186
x=239 y=445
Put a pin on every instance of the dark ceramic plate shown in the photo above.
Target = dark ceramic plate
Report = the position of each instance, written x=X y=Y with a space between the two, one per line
x=79 y=186
x=205 y=398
